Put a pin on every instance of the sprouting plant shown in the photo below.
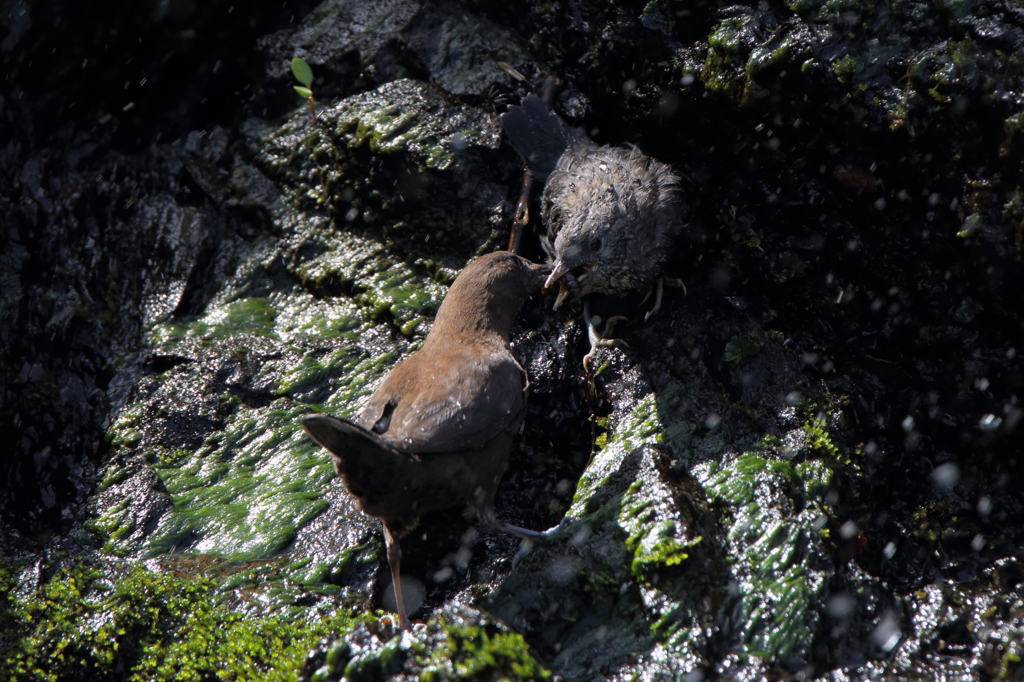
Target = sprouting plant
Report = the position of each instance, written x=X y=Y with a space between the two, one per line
x=304 y=75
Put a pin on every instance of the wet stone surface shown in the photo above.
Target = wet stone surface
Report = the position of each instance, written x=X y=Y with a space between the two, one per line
x=804 y=465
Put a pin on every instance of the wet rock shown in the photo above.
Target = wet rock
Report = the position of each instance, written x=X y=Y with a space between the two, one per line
x=373 y=43
x=804 y=467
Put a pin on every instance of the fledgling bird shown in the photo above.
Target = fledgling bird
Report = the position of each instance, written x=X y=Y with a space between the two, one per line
x=438 y=431
x=612 y=213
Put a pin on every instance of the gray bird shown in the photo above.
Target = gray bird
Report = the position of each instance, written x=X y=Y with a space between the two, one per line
x=612 y=213
x=438 y=431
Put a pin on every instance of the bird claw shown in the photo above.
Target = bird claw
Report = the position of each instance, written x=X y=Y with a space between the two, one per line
x=588 y=359
x=660 y=291
x=598 y=339
x=676 y=282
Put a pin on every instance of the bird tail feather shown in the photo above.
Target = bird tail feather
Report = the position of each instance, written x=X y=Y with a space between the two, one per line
x=370 y=467
x=538 y=134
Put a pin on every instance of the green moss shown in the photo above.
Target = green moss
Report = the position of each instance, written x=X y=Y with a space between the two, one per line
x=134 y=624
x=395 y=123
x=845 y=68
x=253 y=316
x=382 y=288
x=725 y=61
x=475 y=652
x=448 y=649
x=358 y=372
x=124 y=432
x=739 y=350
x=819 y=441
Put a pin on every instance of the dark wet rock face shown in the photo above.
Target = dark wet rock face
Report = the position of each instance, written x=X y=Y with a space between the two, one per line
x=807 y=466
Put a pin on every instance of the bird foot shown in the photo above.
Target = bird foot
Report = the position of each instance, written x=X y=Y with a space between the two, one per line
x=532 y=536
x=488 y=518
x=590 y=357
x=598 y=339
x=659 y=291
x=528 y=536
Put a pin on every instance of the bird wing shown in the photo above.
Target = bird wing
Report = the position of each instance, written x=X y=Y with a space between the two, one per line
x=458 y=401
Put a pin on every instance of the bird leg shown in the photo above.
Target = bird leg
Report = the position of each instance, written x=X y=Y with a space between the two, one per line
x=527 y=534
x=489 y=519
x=522 y=217
x=598 y=339
x=394 y=561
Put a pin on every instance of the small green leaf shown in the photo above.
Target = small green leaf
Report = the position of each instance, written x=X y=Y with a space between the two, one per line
x=302 y=72
x=305 y=92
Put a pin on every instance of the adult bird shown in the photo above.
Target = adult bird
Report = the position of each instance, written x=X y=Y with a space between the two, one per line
x=438 y=431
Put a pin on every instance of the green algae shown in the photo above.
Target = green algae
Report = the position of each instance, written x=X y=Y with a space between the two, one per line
x=124 y=432
x=655 y=540
x=629 y=579
x=724 y=58
x=389 y=122
x=358 y=372
x=775 y=537
x=383 y=287
x=254 y=316
x=657 y=547
x=114 y=526
x=641 y=426
x=246 y=316
x=127 y=622
x=247 y=494
x=774 y=549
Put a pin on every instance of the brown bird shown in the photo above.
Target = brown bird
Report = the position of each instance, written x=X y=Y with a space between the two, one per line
x=438 y=431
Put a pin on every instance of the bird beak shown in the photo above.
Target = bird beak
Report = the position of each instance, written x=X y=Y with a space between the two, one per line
x=560 y=270
x=563 y=293
x=541 y=268
x=538 y=275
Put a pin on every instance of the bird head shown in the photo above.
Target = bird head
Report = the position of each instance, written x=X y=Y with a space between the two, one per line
x=488 y=293
x=579 y=254
x=611 y=214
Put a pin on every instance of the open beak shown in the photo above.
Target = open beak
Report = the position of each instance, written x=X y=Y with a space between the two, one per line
x=569 y=283
x=560 y=270
x=563 y=293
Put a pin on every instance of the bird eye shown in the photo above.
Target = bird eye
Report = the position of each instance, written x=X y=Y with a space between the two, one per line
x=595 y=244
